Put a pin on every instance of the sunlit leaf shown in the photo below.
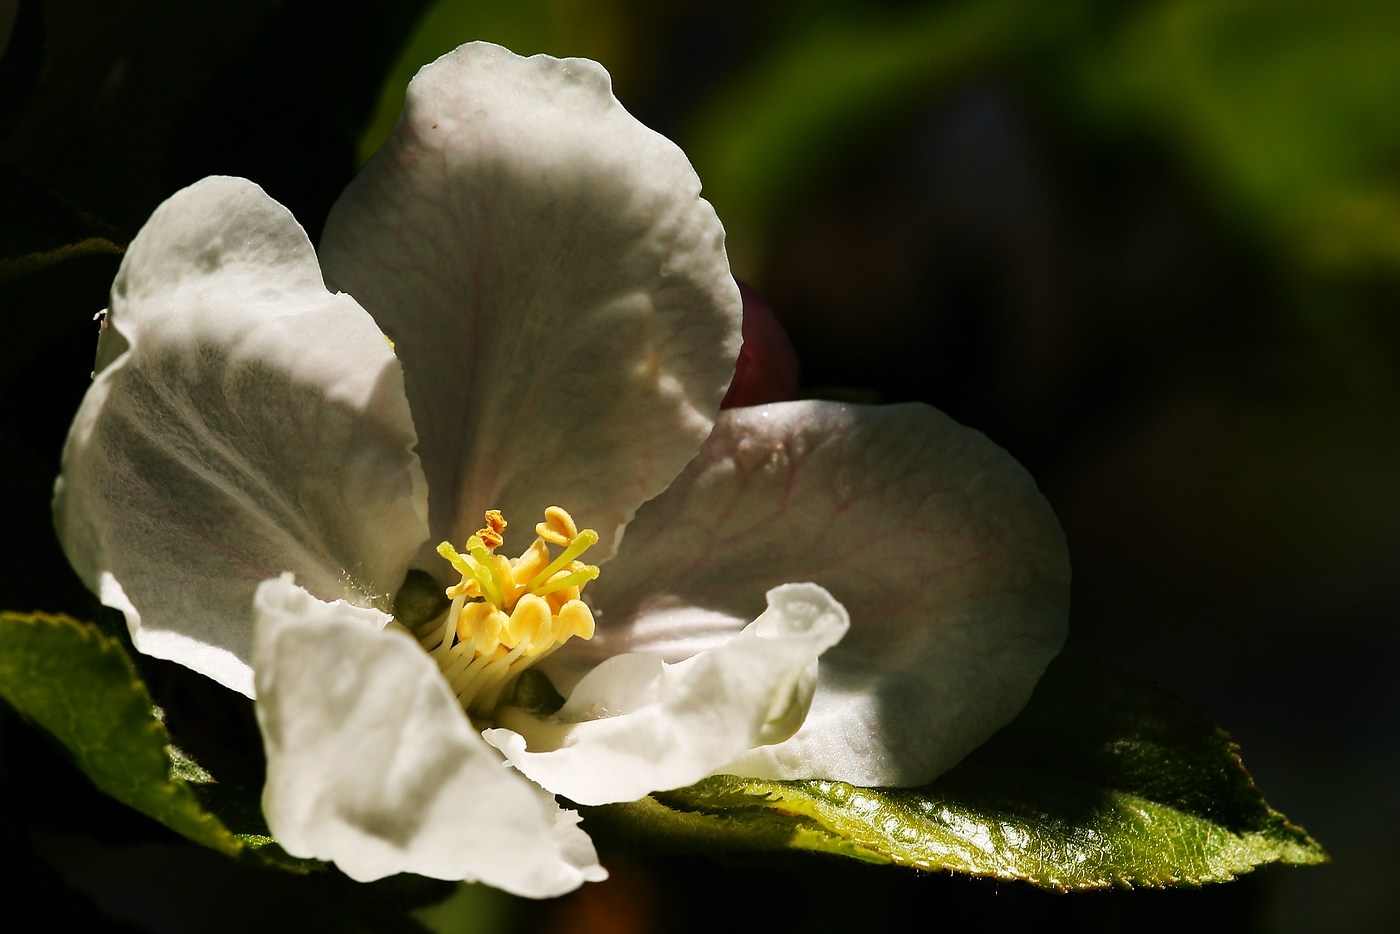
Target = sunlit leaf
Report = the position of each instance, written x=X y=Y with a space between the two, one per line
x=1102 y=781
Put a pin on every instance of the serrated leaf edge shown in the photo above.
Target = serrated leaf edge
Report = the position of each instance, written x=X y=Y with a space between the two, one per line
x=1252 y=849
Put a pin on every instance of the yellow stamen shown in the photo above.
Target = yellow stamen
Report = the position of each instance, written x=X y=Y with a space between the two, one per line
x=557 y=528
x=575 y=619
x=520 y=612
x=557 y=599
x=481 y=624
x=576 y=578
x=534 y=560
x=581 y=543
x=502 y=573
x=530 y=625
x=469 y=565
x=491 y=582
x=468 y=588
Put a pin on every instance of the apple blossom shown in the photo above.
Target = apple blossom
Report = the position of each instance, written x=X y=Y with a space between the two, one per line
x=522 y=311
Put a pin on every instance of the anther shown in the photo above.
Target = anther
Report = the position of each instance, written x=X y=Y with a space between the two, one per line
x=495 y=525
x=467 y=587
x=530 y=625
x=479 y=621
x=575 y=619
x=557 y=528
x=534 y=560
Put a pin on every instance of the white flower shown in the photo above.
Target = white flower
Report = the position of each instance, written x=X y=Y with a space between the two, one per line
x=245 y=481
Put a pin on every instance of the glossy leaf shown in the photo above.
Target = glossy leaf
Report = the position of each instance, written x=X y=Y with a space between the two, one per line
x=33 y=264
x=1102 y=781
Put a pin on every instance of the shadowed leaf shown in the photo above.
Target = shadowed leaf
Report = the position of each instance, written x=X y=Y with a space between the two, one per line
x=80 y=686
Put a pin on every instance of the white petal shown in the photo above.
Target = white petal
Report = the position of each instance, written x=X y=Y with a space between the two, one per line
x=555 y=286
x=665 y=726
x=949 y=560
x=574 y=845
x=372 y=763
x=244 y=421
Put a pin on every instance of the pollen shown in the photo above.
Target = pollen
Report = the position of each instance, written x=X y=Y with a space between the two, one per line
x=495 y=525
x=508 y=614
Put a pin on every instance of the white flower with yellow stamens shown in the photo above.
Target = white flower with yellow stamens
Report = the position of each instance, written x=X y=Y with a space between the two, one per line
x=257 y=470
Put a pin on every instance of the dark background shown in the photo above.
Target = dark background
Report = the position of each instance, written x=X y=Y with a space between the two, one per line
x=1151 y=247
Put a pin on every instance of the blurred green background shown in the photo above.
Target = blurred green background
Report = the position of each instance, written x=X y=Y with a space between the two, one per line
x=1151 y=247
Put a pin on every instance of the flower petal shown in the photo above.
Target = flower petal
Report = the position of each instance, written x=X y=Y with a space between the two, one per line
x=372 y=763
x=555 y=286
x=243 y=422
x=950 y=562
x=636 y=725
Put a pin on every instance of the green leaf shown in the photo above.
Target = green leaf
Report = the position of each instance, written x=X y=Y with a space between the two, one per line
x=1101 y=781
x=56 y=265
x=81 y=687
x=32 y=264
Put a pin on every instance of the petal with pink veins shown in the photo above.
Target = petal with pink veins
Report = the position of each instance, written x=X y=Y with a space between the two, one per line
x=243 y=421
x=950 y=562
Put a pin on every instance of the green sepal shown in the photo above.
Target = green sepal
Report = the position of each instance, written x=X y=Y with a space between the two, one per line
x=1101 y=781
x=81 y=687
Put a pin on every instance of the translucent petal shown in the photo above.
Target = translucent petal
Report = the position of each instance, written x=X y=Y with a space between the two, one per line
x=950 y=562
x=371 y=762
x=243 y=422
x=555 y=285
x=636 y=725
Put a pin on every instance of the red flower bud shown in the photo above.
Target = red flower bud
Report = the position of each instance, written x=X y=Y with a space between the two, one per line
x=767 y=368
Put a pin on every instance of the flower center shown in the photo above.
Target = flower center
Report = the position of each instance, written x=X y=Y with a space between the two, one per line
x=506 y=614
